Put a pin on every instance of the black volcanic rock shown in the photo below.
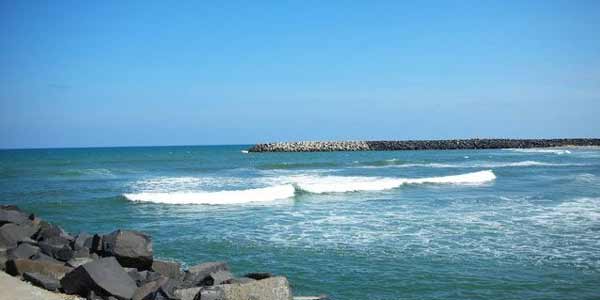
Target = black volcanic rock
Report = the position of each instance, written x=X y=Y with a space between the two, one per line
x=105 y=277
x=131 y=248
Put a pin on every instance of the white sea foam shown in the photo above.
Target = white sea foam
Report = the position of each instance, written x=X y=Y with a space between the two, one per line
x=575 y=212
x=221 y=197
x=165 y=184
x=285 y=187
x=244 y=151
x=340 y=184
x=514 y=228
x=534 y=150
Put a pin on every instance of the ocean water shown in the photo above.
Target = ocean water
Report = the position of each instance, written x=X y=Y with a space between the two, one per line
x=479 y=224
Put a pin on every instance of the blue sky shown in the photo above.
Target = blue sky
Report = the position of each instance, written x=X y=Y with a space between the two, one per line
x=77 y=73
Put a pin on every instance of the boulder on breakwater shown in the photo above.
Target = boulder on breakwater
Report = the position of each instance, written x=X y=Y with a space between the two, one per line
x=328 y=146
x=119 y=265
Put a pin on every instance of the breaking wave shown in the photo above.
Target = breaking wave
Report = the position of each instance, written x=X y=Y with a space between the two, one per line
x=288 y=187
x=340 y=184
x=221 y=197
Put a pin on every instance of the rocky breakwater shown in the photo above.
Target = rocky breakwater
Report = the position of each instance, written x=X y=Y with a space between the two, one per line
x=119 y=265
x=420 y=145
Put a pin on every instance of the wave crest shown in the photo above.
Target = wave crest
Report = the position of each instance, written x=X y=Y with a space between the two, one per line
x=310 y=184
x=221 y=197
x=339 y=184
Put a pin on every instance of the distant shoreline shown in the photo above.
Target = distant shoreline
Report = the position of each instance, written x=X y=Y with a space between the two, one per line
x=456 y=144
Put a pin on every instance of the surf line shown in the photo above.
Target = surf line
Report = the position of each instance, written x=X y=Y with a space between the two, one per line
x=313 y=184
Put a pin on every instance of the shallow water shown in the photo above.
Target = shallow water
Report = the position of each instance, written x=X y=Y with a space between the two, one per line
x=478 y=224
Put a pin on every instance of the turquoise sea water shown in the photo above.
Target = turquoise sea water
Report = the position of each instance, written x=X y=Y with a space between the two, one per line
x=516 y=224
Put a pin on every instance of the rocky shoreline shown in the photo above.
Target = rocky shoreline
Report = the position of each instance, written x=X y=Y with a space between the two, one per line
x=328 y=146
x=119 y=265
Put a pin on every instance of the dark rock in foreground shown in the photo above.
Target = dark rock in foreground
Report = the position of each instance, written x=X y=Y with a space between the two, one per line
x=12 y=214
x=24 y=250
x=105 y=277
x=82 y=241
x=167 y=268
x=131 y=248
x=117 y=266
x=149 y=290
x=420 y=145
x=12 y=233
x=18 y=267
x=57 y=251
x=52 y=232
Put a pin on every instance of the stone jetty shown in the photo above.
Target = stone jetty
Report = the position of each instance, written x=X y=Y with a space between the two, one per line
x=118 y=265
x=420 y=145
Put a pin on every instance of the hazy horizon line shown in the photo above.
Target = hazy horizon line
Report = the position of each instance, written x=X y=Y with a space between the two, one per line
x=287 y=141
